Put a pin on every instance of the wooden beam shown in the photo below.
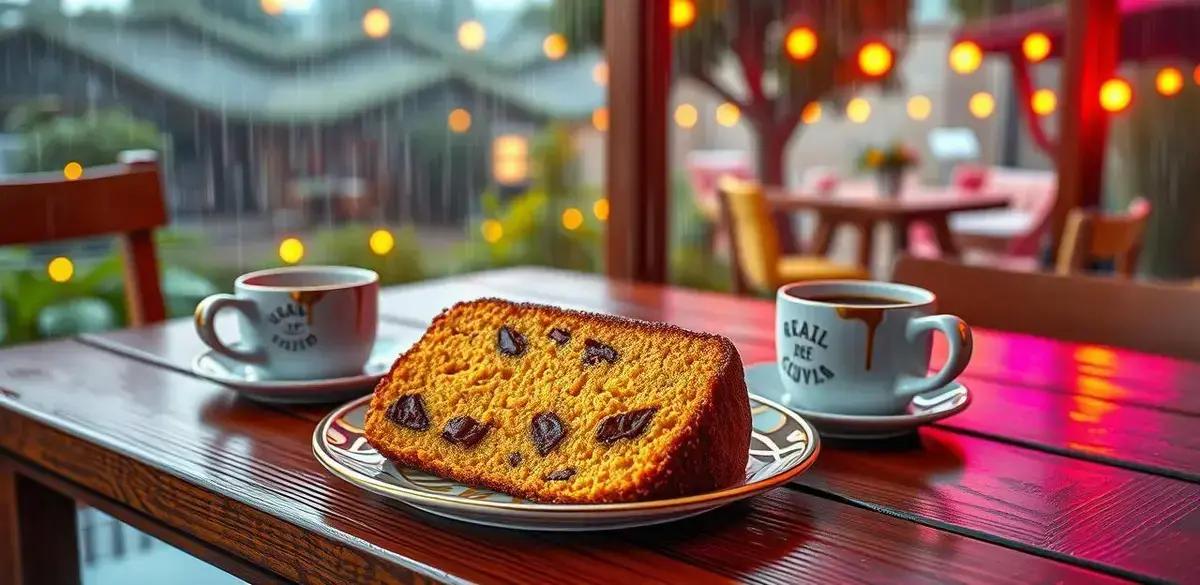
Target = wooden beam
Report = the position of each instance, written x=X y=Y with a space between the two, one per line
x=638 y=46
x=1090 y=58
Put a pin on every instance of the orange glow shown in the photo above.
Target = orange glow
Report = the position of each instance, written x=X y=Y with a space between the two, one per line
x=801 y=43
x=1115 y=95
x=683 y=13
x=272 y=7
x=291 y=250
x=858 y=110
x=60 y=269
x=811 y=114
x=492 y=230
x=600 y=73
x=510 y=159
x=471 y=35
x=965 y=57
x=981 y=105
x=1169 y=81
x=919 y=107
x=1099 y=387
x=1043 y=102
x=459 y=120
x=728 y=114
x=600 y=209
x=572 y=218
x=1196 y=75
x=376 y=23
x=875 y=59
x=555 y=46
x=72 y=171
x=1035 y=46
x=600 y=119
x=686 y=115
x=381 y=242
x=1096 y=355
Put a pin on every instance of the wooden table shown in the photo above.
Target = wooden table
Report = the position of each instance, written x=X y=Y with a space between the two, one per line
x=1075 y=463
x=865 y=210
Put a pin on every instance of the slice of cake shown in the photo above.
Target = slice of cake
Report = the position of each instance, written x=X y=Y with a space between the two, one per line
x=564 y=406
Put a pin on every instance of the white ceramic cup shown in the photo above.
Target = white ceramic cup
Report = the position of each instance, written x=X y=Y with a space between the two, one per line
x=298 y=323
x=862 y=359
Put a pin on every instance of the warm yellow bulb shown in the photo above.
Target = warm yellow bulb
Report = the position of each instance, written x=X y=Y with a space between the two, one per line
x=459 y=120
x=919 y=107
x=381 y=242
x=981 y=105
x=1035 y=46
x=682 y=13
x=555 y=46
x=800 y=43
x=376 y=23
x=875 y=59
x=1169 y=81
x=272 y=7
x=600 y=209
x=600 y=73
x=811 y=114
x=686 y=115
x=1115 y=95
x=965 y=57
x=471 y=35
x=72 y=171
x=858 y=110
x=572 y=218
x=600 y=119
x=291 y=250
x=492 y=231
x=728 y=114
x=1043 y=102
x=60 y=269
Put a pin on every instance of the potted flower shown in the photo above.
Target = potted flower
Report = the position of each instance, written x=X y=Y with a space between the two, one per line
x=888 y=164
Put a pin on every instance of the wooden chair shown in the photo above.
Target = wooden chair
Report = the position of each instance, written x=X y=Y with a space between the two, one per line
x=1156 y=318
x=1090 y=236
x=116 y=199
x=755 y=257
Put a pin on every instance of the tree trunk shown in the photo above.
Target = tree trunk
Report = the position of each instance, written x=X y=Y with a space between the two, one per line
x=771 y=143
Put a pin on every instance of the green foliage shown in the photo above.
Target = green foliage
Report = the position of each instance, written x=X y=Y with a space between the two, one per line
x=349 y=246
x=49 y=143
x=692 y=262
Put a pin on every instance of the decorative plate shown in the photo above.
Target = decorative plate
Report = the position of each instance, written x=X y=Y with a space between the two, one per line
x=782 y=445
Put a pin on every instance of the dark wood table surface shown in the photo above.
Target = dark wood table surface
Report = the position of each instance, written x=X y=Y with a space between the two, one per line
x=865 y=211
x=1075 y=463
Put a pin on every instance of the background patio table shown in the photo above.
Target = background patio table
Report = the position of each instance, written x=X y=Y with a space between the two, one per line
x=1075 y=463
x=858 y=204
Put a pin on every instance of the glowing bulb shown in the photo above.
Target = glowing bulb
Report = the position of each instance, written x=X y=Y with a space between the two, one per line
x=919 y=107
x=471 y=35
x=1035 y=46
x=1043 y=102
x=492 y=231
x=572 y=218
x=682 y=14
x=381 y=242
x=272 y=7
x=600 y=74
x=800 y=43
x=1169 y=81
x=555 y=46
x=981 y=105
x=811 y=114
x=965 y=57
x=875 y=59
x=1115 y=95
x=600 y=119
x=60 y=269
x=1196 y=75
x=459 y=120
x=376 y=23
x=686 y=115
x=858 y=110
x=291 y=250
x=728 y=114
x=600 y=209
x=72 y=171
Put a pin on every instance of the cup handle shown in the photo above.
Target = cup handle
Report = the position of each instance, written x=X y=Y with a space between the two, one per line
x=958 y=339
x=206 y=312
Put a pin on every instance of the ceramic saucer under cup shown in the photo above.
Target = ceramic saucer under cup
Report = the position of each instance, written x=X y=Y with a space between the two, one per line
x=951 y=399
x=250 y=382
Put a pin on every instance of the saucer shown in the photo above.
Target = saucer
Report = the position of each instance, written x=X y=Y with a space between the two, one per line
x=249 y=381
x=935 y=405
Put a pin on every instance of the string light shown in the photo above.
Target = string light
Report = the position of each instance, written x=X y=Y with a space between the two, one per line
x=600 y=119
x=682 y=13
x=981 y=105
x=600 y=73
x=728 y=114
x=686 y=115
x=858 y=110
x=555 y=46
x=875 y=59
x=60 y=269
x=1115 y=95
x=1169 y=81
x=919 y=107
x=459 y=120
x=491 y=230
x=72 y=171
x=376 y=23
x=811 y=114
x=965 y=57
x=572 y=218
x=291 y=250
x=471 y=35
x=1043 y=102
x=600 y=209
x=1036 y=47
x=800 y=43
x=381 y=242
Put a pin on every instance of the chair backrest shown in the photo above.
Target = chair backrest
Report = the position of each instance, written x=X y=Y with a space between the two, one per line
x=753 y=242
x=117 y=199
x=1089 y=235
x=1156 y=318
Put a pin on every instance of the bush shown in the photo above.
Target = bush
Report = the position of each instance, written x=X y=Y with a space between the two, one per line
x=349 y=246
x=49 y=143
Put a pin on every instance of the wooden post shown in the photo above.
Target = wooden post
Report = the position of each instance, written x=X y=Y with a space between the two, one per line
x=1090 y=58
x=638 y=47
x=37 y=532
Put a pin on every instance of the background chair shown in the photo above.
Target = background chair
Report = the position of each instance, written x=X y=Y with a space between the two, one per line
x=117 y=199
x=1155 y=318
x=1089 y=236
x=755 y=257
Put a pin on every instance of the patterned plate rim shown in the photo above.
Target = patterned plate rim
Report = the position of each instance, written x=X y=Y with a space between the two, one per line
x=807 y=458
